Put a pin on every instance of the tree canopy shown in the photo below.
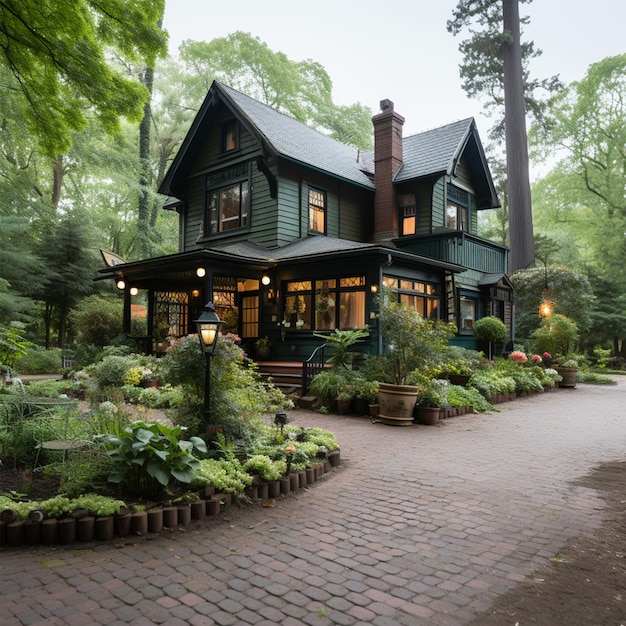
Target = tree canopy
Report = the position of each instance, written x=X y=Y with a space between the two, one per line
x=59 y=74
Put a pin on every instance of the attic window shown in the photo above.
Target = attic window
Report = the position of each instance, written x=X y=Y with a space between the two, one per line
x=317 y=210
x=230 y=136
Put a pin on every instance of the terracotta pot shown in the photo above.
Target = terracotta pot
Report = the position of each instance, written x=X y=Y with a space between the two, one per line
x=459 y=379
x=396 y=404
x=105 y=528
x=428 y=415
x=343 y=406
x=374 y=410
x=569 y=377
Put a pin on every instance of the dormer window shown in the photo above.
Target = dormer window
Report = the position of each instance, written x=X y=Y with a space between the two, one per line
x=230 y=136
x=317 y=210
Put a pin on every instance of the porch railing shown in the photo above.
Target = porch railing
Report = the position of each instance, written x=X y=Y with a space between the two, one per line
x=312 y=366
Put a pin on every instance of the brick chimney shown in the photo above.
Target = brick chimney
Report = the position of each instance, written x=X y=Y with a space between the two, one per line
x=387 y=161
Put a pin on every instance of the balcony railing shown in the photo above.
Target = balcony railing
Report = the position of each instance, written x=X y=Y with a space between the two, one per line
x=460 y=248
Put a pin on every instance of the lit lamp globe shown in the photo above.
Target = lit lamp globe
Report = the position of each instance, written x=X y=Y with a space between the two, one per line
x=208 y=325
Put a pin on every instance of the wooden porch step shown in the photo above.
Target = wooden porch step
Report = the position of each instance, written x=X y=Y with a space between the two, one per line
x=287 y=376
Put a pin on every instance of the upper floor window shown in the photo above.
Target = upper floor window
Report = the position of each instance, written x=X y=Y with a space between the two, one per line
x=408 y=218
x=317 y=210
x=457 y=208
x=467 y=311
x=228 y=199
x=230 y=136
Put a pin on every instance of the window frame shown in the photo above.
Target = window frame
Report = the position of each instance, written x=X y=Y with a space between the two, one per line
x=460 y=200
x=230 y=128
x=323 y=209
x=407 y=210
x=464 y=299
x=216 y=183
x=430 y=294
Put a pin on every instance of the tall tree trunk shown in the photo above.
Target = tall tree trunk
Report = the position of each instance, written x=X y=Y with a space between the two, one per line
x=143 y=217
x=521 y=241
x=57 y=180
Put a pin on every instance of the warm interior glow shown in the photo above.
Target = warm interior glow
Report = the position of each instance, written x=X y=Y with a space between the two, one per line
x=195 y=293
x=374 y=288
x=121 y=284
x=545 y=309
x=266 y=280
x=134 y=291
x=200 y=272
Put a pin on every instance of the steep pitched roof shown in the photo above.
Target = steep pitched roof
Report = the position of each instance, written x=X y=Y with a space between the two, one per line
x=278 y=134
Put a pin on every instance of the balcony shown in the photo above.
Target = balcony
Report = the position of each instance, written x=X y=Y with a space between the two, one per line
x=460 y=248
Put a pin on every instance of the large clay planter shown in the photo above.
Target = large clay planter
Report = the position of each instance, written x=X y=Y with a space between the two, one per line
x=343 y=406
x=569 y=377
x=428 y=415
x=396 y=404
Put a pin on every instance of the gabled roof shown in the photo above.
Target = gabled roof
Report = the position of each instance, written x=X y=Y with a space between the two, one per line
x=433 y=152
x=278 y=134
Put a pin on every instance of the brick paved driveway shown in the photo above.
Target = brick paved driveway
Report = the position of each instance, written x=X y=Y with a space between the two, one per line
x=420 y=525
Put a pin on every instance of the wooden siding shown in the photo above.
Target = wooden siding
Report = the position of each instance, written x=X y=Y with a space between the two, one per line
x=194 y=210
x=438 y=205
x=462 y=249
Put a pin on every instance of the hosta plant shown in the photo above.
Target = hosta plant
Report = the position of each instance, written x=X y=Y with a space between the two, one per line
x=149 y=457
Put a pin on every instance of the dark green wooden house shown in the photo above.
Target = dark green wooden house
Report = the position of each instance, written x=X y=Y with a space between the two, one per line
x=290 y=233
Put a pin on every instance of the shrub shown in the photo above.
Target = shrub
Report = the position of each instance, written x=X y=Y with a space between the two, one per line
x=112 y=371
x=557 y=335
x=98 y=320
x=38 y=360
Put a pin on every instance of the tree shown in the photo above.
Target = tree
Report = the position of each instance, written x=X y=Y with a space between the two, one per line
x=495 y=65
x=56 y=54
x=568 y=289
x=68 y=271
x=301 y=89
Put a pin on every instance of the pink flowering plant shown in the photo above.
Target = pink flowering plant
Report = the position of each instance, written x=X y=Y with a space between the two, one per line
x=536 y=359
x=518 y=356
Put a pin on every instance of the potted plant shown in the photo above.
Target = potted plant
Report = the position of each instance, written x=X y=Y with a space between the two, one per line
x=490 y=329
x=409 y=342
x=431 y=398
x=262 y=347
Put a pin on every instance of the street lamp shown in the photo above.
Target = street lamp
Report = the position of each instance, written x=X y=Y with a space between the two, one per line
x=208 y=327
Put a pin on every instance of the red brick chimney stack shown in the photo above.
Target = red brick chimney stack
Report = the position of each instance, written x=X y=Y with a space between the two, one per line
x=387 y=161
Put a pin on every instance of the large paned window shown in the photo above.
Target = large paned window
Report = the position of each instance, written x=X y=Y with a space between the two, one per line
x=171 y=318
x=325 y=304
x=317 y=210
x=457 y=208
x=249 y=316
x=424 y=297
x=228 y=200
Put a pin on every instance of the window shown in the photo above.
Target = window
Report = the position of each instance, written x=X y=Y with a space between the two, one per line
x=317 y=210
x=457 y=208
x=230 y=136
x=423 y=296
x=408 y=223
x=325 y=304
x=249 y=316
x=467 y=308
x=228 y=199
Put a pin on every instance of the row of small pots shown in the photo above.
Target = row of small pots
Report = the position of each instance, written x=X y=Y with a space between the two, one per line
x=89 y=528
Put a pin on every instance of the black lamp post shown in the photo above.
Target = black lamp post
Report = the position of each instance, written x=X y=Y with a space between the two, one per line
x=208 y=327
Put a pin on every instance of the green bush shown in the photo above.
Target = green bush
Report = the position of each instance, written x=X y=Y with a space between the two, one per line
x=38 y=360
x=98 y=320
x=112 y=371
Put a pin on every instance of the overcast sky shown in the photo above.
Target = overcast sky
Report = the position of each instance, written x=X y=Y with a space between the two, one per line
x=400 y=49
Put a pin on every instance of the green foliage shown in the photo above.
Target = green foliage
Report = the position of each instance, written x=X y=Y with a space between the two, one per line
x=261 y=465
x=98 y=320
x=38 y=360
x=325 y=384
x=148 y=457
x=184 y=363
x=112 y=371
x=58 y=65
x=490 y=329
x=226 y=475
x=13 y=345
x=557 y=335
x=482 y=67
x=341 y=341
x=410 y=341
x=568 y=289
